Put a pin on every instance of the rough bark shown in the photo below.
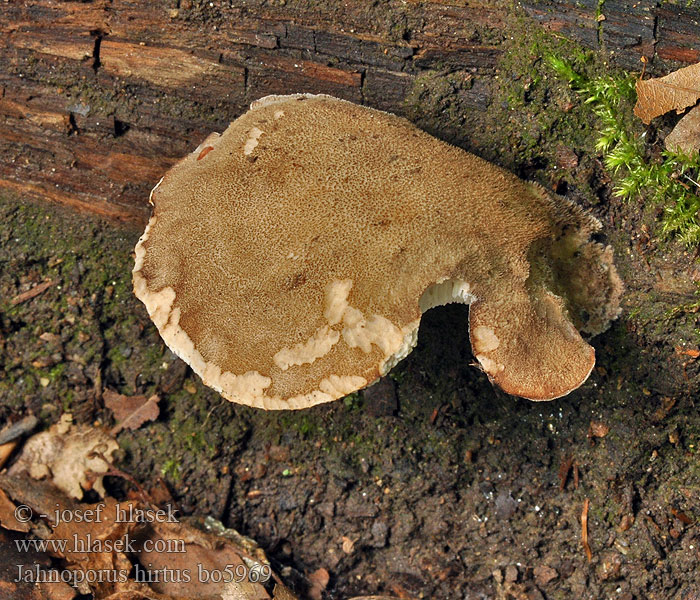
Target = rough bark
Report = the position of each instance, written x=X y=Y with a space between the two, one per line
x=99 y=98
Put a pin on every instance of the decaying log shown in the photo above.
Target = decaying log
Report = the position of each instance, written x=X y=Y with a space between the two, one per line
x=99 y=98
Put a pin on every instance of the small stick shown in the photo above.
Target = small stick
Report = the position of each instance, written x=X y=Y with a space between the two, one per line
x=31 y=293
x=584 y=530
x=18 y=429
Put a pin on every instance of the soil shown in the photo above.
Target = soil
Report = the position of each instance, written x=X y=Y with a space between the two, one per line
x=433 y=484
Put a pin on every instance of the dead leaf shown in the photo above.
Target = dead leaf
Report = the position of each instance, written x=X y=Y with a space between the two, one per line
x=348 y=545
x=8 y=520
x=66 y=454
x=130 y=412
x=243 y=590
x=685 y=136
x=598 y=429
x=5 y=451
x=172 y=558
x=688 y=352
x=318 y=581
x=282 y=593
x=50 y=338
x=678 y=90
x=159 y=493
x=12 y=584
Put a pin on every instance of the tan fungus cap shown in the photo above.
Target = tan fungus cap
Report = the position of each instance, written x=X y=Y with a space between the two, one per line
x=288 y=260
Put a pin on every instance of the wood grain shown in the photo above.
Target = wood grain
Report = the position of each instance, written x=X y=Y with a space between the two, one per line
x=99 y=98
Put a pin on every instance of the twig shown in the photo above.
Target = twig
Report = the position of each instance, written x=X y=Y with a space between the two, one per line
x=18 y=429
x=584 y=530
x=31 y=293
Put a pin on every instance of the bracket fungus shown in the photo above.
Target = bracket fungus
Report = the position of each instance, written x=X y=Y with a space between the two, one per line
x=289 y=259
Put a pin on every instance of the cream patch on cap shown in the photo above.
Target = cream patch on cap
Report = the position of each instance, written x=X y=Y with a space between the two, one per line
x=484 y=339
x=252 y=141
x=317 y=346
x=337 y=292
x=490 y=366
x=340 y=386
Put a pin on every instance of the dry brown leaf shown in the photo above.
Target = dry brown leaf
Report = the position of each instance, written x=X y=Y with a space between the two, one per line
x=318 y=581
x=598 y=429
x=243 y=590
x=5 y=451
x=13 y=585
x=282 y=593
x=8 y=520
x=131 y=412
x=175 y=559
x=675 y=91
x=348 y=545
x=685 y=136
x=68 y=455
x=692 y=352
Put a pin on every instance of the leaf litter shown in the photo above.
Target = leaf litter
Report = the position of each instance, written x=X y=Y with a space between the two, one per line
x=675 y=91
x=129 y=549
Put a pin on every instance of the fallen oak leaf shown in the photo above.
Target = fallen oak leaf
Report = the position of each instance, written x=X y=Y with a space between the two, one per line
x=16 y=563
x=130 y=412
x=677 y=90
x=152 y=554
x=685 y=136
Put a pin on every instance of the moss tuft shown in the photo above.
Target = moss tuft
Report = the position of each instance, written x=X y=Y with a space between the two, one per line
x=667 y=178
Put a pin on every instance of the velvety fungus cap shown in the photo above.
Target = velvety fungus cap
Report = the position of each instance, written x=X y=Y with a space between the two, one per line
x=289 y=260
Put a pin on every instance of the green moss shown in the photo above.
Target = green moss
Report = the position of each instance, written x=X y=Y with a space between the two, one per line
x=57 y=372
x=353 y=402
x=670 y=179
x=171 y=469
